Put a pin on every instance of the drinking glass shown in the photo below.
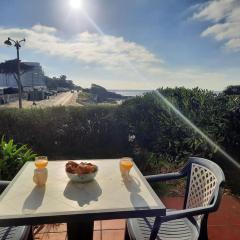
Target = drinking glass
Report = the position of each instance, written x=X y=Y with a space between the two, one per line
x=125 y=166
x=41 y=162
x=40 y=173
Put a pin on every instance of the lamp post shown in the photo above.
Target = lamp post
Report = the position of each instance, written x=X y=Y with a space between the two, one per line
x=34 y=103
x=16 y=44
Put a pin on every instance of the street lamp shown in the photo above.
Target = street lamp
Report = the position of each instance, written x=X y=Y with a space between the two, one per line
x=16 y=44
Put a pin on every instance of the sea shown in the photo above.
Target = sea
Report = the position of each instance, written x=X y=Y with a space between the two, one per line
x=130 y=93
x=133 y=93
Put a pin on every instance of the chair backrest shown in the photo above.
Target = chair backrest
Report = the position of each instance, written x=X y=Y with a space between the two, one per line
x=204 y=180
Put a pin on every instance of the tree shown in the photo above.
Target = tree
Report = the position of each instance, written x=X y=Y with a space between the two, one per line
x=232 y=90
x=63 y=78
x=61 y=82
x=10 y=67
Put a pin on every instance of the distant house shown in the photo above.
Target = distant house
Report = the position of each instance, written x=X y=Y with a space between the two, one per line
x=31 y=79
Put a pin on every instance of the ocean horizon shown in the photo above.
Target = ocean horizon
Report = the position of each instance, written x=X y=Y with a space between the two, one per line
x=130 y=93
x=133 y=93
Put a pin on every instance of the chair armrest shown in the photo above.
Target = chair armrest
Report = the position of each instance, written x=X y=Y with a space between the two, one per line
x=164 y=177
x=188 y=213
x=3 y=185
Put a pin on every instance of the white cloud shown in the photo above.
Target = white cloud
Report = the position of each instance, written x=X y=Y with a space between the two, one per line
x=113 y=61
x=214 y=10
x=224 y=31
x=90 y=48
x=225 y=21
x=234 y=44
x=43 y=29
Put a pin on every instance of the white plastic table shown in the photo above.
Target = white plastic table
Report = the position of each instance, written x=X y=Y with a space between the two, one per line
x=109 y=196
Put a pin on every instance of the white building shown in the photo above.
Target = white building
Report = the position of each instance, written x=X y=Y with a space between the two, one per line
x=31 y=79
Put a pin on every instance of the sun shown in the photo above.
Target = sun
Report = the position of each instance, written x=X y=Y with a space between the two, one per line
x=76 y=4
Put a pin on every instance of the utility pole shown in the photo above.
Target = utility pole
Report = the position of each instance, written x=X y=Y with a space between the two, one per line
x=17 y=45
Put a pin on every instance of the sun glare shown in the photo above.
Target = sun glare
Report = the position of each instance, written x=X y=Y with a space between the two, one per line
x=76 y=4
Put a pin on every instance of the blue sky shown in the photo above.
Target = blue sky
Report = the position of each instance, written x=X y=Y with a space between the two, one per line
x=137 y=44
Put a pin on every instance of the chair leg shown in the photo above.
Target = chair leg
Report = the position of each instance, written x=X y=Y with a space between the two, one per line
x=30 y=234
x=204 y=228
x=156 y=226
x=30 y=237
x=126 y=236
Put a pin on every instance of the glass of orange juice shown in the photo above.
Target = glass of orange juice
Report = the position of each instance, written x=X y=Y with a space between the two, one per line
x=125 y=166
x=41 y=162
x=40 y=173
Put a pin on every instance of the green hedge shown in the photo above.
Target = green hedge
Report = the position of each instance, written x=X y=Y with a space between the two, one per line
x=104 y=131
x=158 y=129
x=71 y=132
x=232 y=131
x=143 y=127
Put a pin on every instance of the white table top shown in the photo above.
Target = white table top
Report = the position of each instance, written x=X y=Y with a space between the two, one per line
x=108 y=193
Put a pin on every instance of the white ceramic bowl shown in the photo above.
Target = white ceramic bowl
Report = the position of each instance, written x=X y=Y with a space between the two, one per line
x=87 y=177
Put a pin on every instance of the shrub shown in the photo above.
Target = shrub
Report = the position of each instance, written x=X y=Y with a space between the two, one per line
x=67 y=132
x=158 y=129
x=232 y=90
x=12 y=158
x=143 y=127
x=141 y=124
x=232 y=130
x=101 y=131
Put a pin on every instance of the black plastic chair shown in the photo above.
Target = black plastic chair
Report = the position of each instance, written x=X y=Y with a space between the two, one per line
x=203 y=195
x=14 y=232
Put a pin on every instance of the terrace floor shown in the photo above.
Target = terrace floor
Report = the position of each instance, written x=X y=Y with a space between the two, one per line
x=223 y=225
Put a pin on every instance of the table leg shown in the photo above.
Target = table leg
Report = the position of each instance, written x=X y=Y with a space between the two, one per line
x=82 y=230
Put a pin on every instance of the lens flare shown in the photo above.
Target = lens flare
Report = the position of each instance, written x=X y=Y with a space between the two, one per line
x=197 y=130
x=169 y=104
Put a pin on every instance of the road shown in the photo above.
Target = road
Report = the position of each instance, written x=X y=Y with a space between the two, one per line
x=62 y=99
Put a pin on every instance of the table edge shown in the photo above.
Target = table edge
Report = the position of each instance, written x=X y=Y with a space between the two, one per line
x=62 y=217
x=76 y=216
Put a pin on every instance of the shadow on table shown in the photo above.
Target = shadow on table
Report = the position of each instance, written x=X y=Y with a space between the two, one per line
x=34 y=199
x=83 y=193
x=133 y=186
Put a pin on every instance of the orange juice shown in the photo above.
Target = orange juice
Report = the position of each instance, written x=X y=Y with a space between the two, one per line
x=41 y=162
x=125 y=165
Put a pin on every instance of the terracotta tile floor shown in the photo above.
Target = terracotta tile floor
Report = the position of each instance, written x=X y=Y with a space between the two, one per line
x=223 y=225
x=103 y=230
